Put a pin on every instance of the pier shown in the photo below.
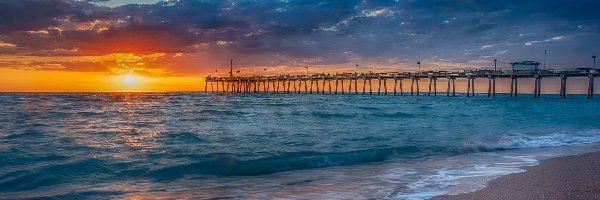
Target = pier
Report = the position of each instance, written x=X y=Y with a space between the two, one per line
x=317 y=83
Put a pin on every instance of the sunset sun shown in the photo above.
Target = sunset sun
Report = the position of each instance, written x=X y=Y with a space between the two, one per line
x=130 y=79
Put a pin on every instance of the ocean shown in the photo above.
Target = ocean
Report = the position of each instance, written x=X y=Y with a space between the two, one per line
x=278 y=146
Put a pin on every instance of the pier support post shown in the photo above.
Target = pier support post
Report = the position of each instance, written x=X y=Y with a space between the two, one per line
x=288 y=85
x=305 y=87
x=429 y=91
x=468 y=86
x=227 y=87
x=563 y=86
x=448 y=87
x=249 y=85
x=317 y=86
x=364 y=84
x=401 y=90
x=283 y=86
x=311 y=85
x=336 y=84
x=350 y=85
x=385 y=86
x=223 y=90
x=355 y=84
x=395 y=84
x=370 y=87
x=323 y=92
x=329 y=85
x=516 y=86
x=299 y=85
x=342 y=84
x=418 y=92
x=473 y=86
x=537 y=86
x=512 y=85
x=453 y=86
x=379 y=85
x=590 y=94
x=494 y=87
x=434 y=86
x=412 y=85
x=489 y=93
x=222 y=87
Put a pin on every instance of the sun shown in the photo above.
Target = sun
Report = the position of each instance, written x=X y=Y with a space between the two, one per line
x=130 y=79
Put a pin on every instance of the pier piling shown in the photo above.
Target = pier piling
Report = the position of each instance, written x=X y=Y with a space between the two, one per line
x=468 y=86
x=429 y=91
x=379 y=85
x=412 y=84
x=590 y=93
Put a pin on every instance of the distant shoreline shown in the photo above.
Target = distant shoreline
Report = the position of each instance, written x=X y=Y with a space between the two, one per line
x=569 y=177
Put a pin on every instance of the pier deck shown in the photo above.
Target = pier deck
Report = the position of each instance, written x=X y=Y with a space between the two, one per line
x=316 y=83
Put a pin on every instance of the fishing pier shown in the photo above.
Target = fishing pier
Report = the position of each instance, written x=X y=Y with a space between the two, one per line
x=334 y=83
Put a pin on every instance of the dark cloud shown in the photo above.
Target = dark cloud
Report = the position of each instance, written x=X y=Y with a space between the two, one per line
x=31 y=14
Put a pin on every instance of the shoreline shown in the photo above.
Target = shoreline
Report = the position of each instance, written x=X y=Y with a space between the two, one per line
x=569 y=177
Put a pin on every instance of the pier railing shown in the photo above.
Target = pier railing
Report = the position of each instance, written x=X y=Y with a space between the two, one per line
x=316 y=83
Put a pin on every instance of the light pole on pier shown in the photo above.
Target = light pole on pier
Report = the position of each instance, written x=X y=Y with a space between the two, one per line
x=419 y=63
x=594 y=57
x=231 y=68
x=495 y=61
x=306 y=70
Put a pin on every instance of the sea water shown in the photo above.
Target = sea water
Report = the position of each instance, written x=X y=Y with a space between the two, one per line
x=284 y=146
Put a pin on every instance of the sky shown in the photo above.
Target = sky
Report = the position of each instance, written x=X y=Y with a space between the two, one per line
x=150 y=45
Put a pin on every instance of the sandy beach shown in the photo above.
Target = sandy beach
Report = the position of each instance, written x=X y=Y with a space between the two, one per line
x=571 y=177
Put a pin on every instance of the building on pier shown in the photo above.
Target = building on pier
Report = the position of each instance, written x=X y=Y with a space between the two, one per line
x=525 y=66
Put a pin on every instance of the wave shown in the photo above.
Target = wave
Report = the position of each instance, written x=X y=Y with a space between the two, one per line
x=22 y=180
x=526 y=141
x=231 y=165
x=394 y=115
x=476 y=170
x=332 y=115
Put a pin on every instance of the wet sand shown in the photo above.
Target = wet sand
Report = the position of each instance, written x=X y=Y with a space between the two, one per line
x=571 y=177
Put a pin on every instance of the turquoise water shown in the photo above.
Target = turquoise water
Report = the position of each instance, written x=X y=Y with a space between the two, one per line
x=118 y=145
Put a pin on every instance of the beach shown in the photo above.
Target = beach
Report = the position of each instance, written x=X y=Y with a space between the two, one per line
x=570 y=177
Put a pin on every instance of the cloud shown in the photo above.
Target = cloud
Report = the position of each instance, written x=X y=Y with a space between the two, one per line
x=301 y=32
